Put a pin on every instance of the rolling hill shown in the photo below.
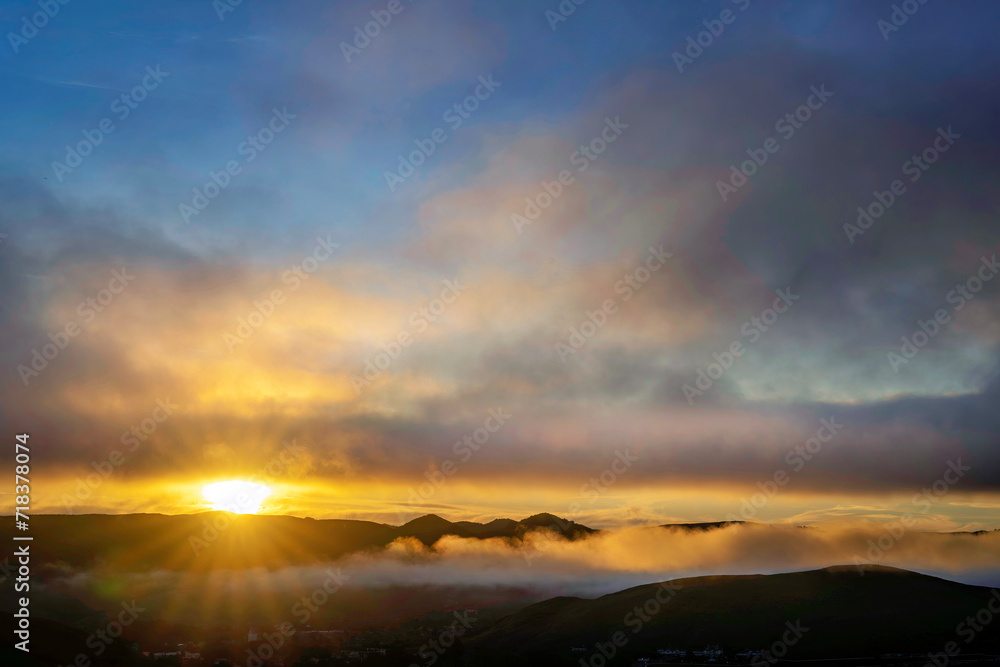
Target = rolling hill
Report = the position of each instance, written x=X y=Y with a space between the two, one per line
x=845 y=613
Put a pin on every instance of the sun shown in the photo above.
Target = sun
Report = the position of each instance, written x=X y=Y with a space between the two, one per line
x=236 y=496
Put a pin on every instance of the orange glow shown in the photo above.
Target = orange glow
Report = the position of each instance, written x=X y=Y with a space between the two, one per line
x=236 y=496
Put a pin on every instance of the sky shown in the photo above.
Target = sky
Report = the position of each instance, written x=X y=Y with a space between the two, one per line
x=628 y=263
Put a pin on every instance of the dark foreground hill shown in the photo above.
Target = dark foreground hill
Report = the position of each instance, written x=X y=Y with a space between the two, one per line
x=213 y=540
x=830 y=613
x=53 y=643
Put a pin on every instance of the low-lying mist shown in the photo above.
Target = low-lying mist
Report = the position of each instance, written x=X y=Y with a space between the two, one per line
x=407 y=579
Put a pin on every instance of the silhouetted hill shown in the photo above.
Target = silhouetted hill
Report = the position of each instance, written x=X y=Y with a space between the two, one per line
x=705 y=525
x=884 y=611
x=215 y=540
x=568 y=529
x=430 y=528
x=53 y=643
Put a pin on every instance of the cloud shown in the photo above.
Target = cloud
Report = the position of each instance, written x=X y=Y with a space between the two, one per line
x=495 y=345
x=460 y=572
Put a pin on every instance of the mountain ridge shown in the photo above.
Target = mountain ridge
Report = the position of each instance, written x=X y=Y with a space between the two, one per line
x=217 y=540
